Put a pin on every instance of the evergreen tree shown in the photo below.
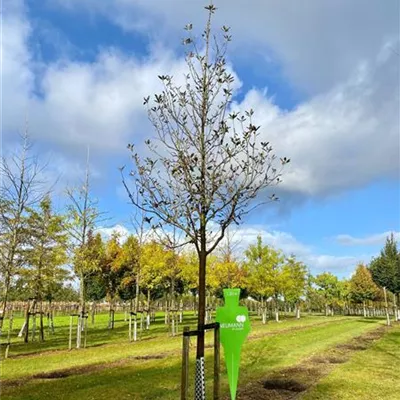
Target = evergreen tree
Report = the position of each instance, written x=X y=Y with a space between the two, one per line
x=385 y=270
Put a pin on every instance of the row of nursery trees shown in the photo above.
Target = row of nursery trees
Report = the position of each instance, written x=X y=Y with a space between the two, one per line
x=41 y=247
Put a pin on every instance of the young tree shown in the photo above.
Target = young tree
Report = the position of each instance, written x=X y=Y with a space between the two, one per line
x=20 y=189
x=44 y=255
x=226 y=274
x=111 y=272
x=189 y=273
x=83 y=215
x=95 y=290
x=295 y=286
x=345 y=294
x=154 y=269
x=87 y=260
x=266 y=275
x=385 y=270
x=362 y=287
x=226 y=271
x=173 y=264
x=328 y=286
x=129 y=265
x=207 y=166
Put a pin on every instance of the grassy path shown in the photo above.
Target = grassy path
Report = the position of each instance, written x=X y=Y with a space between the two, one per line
x=370 y=375
x=156 y=342
x=159 y=378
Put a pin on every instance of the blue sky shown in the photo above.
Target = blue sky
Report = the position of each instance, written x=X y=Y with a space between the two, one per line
x=323 y=79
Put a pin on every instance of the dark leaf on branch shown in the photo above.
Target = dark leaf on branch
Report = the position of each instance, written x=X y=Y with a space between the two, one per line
x=211 y=8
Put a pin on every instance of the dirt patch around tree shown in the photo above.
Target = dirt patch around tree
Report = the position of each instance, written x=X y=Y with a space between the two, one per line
x=290 y=383
x=86 y=369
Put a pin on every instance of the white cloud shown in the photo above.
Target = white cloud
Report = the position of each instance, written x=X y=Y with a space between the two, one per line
x=373 y=240
x=343 y=138
x=99 y=104
x=107 y=232
x=347 y=137
x=317 y=43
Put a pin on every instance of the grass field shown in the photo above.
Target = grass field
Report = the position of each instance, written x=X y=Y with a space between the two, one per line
x=150 y=368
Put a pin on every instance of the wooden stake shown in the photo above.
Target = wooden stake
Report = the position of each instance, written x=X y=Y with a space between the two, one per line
x=216 y=361
x=130 y=327
x=70 y=333
x=185 y=365
x=386 y=307
x=84 y=344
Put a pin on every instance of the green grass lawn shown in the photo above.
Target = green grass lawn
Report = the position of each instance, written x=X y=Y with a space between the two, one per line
x=111 y=366
x=372 y=374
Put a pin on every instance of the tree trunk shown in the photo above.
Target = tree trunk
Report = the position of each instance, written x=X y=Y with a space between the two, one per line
x=263 y=312
x=386 y=308
x=297 y=311
x=27 y=315
x=398 y=310
x=148 y=310
x=200 y=373
x=364 y=310
x=81 y=311
x=395 y=308
x=276 y=313
x=137 y=294
x=41 y=335
x=5 y=298
x=51 y=317
x=93 y=311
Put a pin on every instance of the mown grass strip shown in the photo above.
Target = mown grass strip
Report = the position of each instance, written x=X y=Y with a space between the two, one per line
x=369 y=375
x=159 y=379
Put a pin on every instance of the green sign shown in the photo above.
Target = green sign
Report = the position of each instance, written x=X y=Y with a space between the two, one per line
x=234 y=328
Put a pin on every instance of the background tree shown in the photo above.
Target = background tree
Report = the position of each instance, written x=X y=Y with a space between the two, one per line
x=295 y=286
x=385 y=270
x=345 y=295
x=362 y=287
x=44 y=254
x=83 y=215
x=95 y=290
x=154 y=264
x=87 y=260
x=111 y=272
x=328 y=287
x=266 y=275
x=129 y=265
x=189 y=273
x=227 y=272
x=21 y=189
x=207 y=165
